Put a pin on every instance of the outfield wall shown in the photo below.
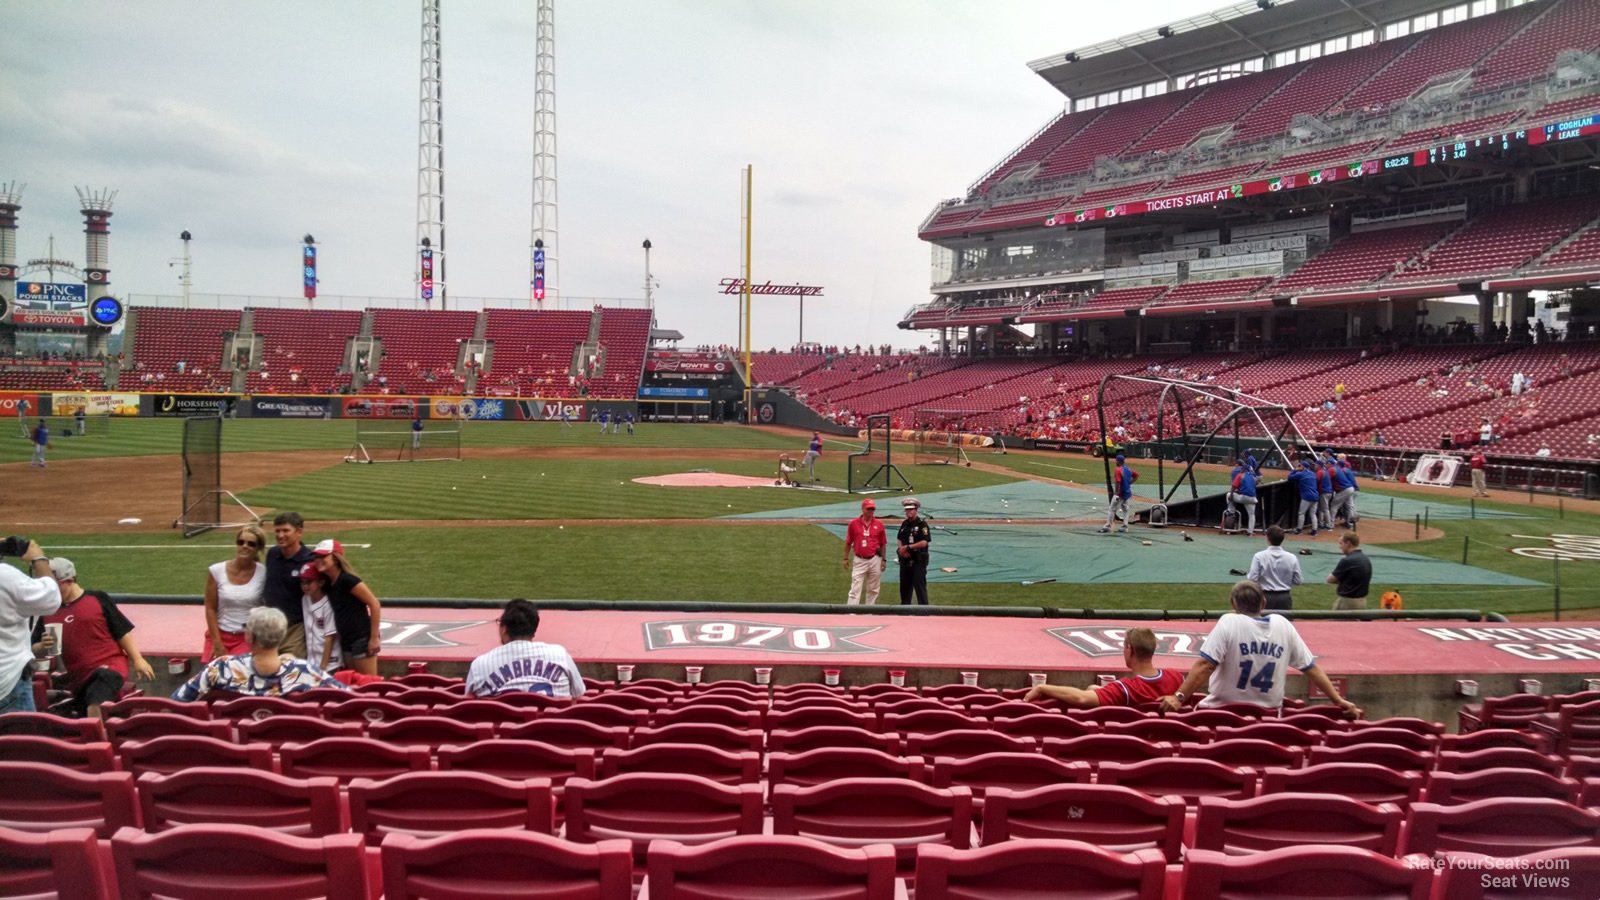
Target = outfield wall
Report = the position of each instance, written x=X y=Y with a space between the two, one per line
x=310 y=406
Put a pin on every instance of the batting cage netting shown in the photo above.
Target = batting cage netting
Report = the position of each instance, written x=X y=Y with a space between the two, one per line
x=396 y=441
x=944 y=436
x=872 y=468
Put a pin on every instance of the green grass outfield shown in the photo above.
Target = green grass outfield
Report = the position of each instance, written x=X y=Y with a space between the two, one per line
x=559 y=555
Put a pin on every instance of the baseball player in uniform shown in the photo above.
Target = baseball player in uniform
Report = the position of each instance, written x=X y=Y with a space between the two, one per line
x=1122 y=479
x=865 y=546
x=813 y=453
x=416 y=432
x=605 y=419
x=523 y=664
x=1344 y=501
x=1305 y=479
x=41 y=443
x=913 y=540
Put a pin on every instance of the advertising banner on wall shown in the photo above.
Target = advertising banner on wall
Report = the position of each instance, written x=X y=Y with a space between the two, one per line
x=674 y=393
x=12 y=404
x=551 y=410
x=289 y=407
x=95 y=404
x=687 y=366
x=24 y=317
x=185 y=405
x=382 y=407
x=483 y=410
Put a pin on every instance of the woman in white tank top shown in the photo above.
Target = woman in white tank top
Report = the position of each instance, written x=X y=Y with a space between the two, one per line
x=233 y=588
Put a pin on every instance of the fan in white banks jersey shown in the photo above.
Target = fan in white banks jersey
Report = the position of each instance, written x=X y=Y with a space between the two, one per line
x=523 y=664
x=1247 y=658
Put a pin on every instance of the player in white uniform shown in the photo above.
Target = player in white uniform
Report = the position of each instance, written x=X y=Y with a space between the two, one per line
x=1247 y=656
x=522 y=664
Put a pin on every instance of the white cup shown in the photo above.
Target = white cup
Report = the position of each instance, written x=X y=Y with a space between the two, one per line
x=177 y=665
x=969 y=678
x=830 y=677
x=624 y=673
x=897 y=677
x=1036 y=679
x=693 y=673
x=763 y=675
x=56 y=633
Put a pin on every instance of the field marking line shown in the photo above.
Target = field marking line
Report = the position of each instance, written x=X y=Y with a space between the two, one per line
x=161 y=546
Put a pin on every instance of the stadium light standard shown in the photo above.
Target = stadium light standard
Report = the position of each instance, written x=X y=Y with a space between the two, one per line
x=184 y=279
x=650 y=284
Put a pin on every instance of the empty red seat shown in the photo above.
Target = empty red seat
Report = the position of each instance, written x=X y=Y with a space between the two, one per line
x=1291 y=820
x=882 y=691
x=855 y=811
x=430 y=804
x=1391 y=756
x=430 y=731
x=1500 y=827
x=712 y=714
x=431 y=680
x=720 y=737
x=1041 y=725
x=966 y=742
x=815 y=716
x=802 y=739
x=242 y=707
x=1511 y=711
x=1166 y=730
x=483 y=862
x=1245 y=752
x=1062 y=870
x=1513 y=781
x=303 y=806
x=1498 y=758
x=930 y=721
x=277 y=730
x=1574 y=727
x=68 y=863
x=598 y=713
x=1107 y=715
x=132 y=706
x=720 y=766
x=999 y=708
x=1190 y=779
x=173 y=754
x=956 y=691
x=239 y=861
x=1105 y=748
x=1566 y=872
x=520 y=760
x=769 y=866
x=1304 y=872
x=567 y=733
x=1399 y=737
x=41 y=797
x=367 y=710
x=486 y=712
x=646 y=806
x=1406 y=723
x=891 y=704
x=1212 y=718
x=145 y=726
x=40 y=724
x=1492 y=737
x=1367 y=782
x=349 y=758
x=825 y=764
x=1277 y=732
x=1111 y=817
x=1014 y=771
x=92 y=757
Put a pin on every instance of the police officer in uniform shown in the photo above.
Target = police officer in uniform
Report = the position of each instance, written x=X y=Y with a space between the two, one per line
x=914 y=538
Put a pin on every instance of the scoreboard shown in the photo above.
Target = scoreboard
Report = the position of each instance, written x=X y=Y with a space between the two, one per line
x=1488 y=145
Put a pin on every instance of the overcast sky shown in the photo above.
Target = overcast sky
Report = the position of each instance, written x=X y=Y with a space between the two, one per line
x=251 y=123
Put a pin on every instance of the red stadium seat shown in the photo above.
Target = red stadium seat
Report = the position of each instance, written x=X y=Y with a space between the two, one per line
x=1211 y=718
x=309 y=806
x=1314 y=723
x=956 y=692
x=1105 y=748
x=1583 y=767
x=1109 y=715
x=145 y=726
x=176 y=753
x=368 y=710
x=239 y=708
x=520 y=760
x=68 y=863
x=637 y=700
x=856 y=811
x=317 y=696
x=825 y=764
x=598 y=713
x=1041 y=725
x=1304 y=872
x=815 y=716
x=1512 y=711
x=729 y=686
x=38 y=724
x=239 y=861
x=892 y=704
x=1274 y=822
x=1405 y=723
x=966 y=742
x=430 y=731
x=1245 y=752
x=719 y=737
x=277 y=730
x=132 y=706
x=1000 y=708
x=429 y=697
x=93 y=757
x=429 y=804
x=1493 y=737
x=1567 y=872
x=720 y=766
x=349 y=758
x=803 y=739
x=567 y=733
x=1484 y=784
x=722 y=698
x=743 y=719
x=380 y=688
x=1277 y=732
x=483 y=862
x=1063 y=870
x=1190 y=779
x=41 y=797
x=931 y=721
x=882 y=691
x=1013 y=771
x=1500 y=827
x=647 y=806
x=1498 y=758
x=1166 y=730
x=675 y=688
x=1573 y=727
x=1398 y=737
x=529 y=700
x=769 y=866
x=1366 y=782
x=430 y=680
x=1114 y=818
x=486 y=712
x=1391 y=756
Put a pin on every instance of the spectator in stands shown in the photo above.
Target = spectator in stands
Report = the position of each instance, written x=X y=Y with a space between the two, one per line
x=97 y=648
x=1275 y=571
x=1144 y=683
x=1352 y=574
x=262 y=672
x=521 y=664
x=1486 y=432
x=282 y=588
x=322 y=634
x=233 y=588
x=1246 y=656
x=357 y=614
x=24 y=594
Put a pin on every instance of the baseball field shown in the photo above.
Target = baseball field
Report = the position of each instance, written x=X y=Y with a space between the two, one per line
x=545 y=511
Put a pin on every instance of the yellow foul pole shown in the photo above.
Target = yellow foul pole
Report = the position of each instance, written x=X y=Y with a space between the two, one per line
x=744 y=294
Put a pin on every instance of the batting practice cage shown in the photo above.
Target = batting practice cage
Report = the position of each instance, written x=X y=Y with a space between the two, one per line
x=393 y=441
x=943 y=436
x=871 y=470
x=1178 y=425
x=203 y=493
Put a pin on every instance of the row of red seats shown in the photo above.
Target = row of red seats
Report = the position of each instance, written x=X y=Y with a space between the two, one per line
x=212 y=860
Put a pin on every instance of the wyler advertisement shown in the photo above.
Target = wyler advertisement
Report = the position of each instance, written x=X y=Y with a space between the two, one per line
x=186 y=405
x=551 y=410
x=481 y=410
x=95 y=404
x=381 y=407
x=289 y=407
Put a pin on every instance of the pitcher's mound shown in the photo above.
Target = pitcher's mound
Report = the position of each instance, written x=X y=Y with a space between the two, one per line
x=706 y=479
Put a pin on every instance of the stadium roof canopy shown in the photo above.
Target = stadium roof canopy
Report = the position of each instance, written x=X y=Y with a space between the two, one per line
x=1227 y=35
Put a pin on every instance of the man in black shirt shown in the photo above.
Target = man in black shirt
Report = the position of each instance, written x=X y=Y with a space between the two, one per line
x=914 y=537
x=282 y=588
x=1353 y=574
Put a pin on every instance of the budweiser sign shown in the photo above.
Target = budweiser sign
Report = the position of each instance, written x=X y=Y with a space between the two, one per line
x=736 y=286
x=688 y=365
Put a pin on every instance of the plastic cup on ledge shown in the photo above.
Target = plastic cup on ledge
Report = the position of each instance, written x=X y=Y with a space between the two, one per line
x=764 y=675
x=624 y=673
x=897 y=677
x=1036 y=679
x=830 y=677
x=969 y=679
x=693 y=673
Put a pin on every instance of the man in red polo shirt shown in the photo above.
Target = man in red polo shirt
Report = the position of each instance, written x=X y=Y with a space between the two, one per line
x=864 y=554
x=1478 y=464
x=1143 y=684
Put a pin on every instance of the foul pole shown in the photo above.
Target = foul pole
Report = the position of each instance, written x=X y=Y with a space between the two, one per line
x=544 y=247
x=744 y=292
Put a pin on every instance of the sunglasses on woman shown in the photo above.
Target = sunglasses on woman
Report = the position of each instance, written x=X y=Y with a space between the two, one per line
x=246 y=542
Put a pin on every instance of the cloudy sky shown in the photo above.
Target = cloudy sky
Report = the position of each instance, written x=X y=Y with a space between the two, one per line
x=251 y=123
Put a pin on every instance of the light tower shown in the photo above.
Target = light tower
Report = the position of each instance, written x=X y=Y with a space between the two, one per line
x=96 y=209
x=10 y=205
x=429 y=249
x=545 y=282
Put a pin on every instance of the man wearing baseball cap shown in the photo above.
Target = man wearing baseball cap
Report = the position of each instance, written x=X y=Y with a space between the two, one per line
x=865 y=546
x=1122 y=479
x=914 y=538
